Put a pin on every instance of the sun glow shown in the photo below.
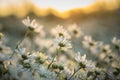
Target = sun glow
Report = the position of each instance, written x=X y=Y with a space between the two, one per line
x=59 y=8
x=62 y=5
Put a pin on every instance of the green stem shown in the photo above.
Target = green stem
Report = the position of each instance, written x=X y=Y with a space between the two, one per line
x=74 y=73
x=53 y=59
x=17 y=46
x=105 y=57
x=51 y=62
x=58 y=74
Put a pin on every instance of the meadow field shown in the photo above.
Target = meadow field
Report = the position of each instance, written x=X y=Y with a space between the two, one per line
x=79 y=44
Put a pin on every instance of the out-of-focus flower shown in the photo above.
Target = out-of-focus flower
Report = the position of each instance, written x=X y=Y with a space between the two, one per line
x=41 y=58
x=36 y=58
x=38 y=54
x=21 y=51
x=74 y=30
x=116 y=42
x=84 y=63
x=1 y=35
x=59 y=31
x=18 y=72
x=41 y=55
x=45 y=73
x=32 y=25
x=106 y=49
x=99 y=73
x=91 y=45
x=62 y=43
x=4 y=48
x=88 y=42
x=80 y=58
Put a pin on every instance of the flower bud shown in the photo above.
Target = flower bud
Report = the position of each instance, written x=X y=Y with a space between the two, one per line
x=41 y=61
x=61 y=67
x=27 y=65
x=54 y=66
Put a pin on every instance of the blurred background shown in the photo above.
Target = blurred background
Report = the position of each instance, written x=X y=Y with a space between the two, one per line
x=99 y=18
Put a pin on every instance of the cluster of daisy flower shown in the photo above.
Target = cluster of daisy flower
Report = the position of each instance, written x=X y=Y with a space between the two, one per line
x=38 y=56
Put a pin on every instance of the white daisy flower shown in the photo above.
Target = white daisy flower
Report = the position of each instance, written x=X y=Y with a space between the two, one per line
x=62 y=43
x=32 y=25
x=4 y=48
x=60 y=31
x=80 y=58
x=74 y=30
x=116 y=42
x=17 y=72
x=84 y=63
x=88 y=42
x=45 y=73
x=20 y=51
x=99 y=73
x=105 y=48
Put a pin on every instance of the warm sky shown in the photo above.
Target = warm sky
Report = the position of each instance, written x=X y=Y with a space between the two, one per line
x=57 y=7
x=62 y=5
